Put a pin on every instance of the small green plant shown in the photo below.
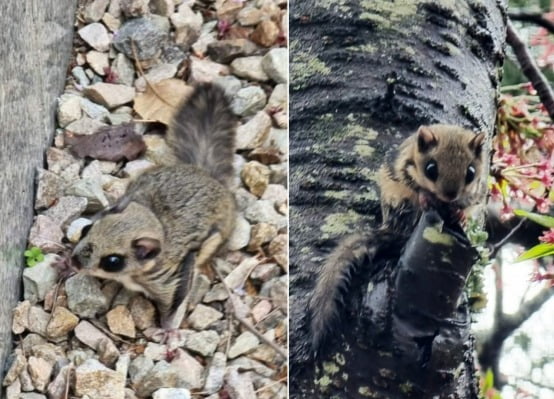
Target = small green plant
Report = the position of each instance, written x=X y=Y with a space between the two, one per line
x=33 y=256
x=487 y=386
x=546 y=247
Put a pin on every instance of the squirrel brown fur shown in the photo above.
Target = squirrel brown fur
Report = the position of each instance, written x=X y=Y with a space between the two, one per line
x=439 y=166
x=174 y=218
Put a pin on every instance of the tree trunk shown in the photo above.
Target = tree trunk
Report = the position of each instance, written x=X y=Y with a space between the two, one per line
x=364 y=76
x=35 y=51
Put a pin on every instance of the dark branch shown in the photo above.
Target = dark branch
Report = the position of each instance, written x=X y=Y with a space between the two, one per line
x=531 y=70
x=510 y=323
x=504 y=326
x=533 y=17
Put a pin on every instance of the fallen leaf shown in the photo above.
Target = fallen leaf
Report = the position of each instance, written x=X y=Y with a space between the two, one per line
x=161 y=99
x=267 y=156
x=112 y=143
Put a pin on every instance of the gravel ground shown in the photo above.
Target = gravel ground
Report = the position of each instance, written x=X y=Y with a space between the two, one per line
x=81 y=337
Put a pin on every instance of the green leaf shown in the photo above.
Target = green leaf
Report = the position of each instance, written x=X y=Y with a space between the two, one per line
x=538 y=251
x=36 y=251
x=31 y=262
x=27 y=253
x=40 y=257
x=543 y=220
x=489 y=380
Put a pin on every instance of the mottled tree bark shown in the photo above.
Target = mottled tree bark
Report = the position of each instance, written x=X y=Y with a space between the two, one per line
x=365 y=75
x=35 y=49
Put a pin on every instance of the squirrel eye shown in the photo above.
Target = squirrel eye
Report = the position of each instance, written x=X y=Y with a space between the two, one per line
x=112 y=263
x=470 y=174
x=432 y=170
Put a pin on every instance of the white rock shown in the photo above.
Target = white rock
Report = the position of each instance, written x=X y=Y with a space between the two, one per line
x=98 y=62
x=203 y=316
x=75 y=228
x=97 y=381
x=96 y=35
x=69 y=109
x=124 y=70
x=171 y=393
x=239 y=386
x=40 y=371
x=248 y=101
x=249 y=68
x=216 y=373
x=254 y=132
x=240 y=235
x=93 y=110
x=137 y=167
x=111 y=22
x=275 y=64
x=94 y=10
x=85 y=125
x=110 y=95
x=46 y=234
x=204 y=70
x=39 y=279
x=156 y=74
x=162 y=7
x=238 y=276
x=185 y=17
x=203 y=342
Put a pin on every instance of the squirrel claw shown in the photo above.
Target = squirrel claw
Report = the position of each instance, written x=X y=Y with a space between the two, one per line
x=172 y=337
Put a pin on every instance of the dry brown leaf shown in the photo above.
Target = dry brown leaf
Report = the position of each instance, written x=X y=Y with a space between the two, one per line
x=111 y=143
x=160 y=100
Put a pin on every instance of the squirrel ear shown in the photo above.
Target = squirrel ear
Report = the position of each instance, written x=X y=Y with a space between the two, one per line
x=476 y=143
x=146 y=248
x=426 y=139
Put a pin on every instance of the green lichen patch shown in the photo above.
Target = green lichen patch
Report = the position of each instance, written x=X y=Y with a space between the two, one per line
x=338 y=195
x=363 y=48
x=340 y=223
x=365 y=391
x=387 y=14
x=364 y=150
x=330 y=368
x=305 y=66
x=434 y=236
x=406 y=387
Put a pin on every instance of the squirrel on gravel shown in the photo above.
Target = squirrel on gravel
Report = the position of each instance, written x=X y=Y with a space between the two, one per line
x=439 y=166
x=172 y=219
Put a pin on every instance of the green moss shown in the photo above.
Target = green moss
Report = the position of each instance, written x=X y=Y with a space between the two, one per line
x=364 y=150
x=365 y=391
x=305 y=65
x=339 y=195
x=434 y=236
x=340 y=223
x=406 y=387
x=370 y=195
x=323 y=382
x=363 y=48
x=340 y=359
x=330 y=368
x=340 y=5
x=387 y=14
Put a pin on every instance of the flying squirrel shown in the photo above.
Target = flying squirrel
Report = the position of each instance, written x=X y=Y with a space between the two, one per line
x=174 y=218
x=439 y=166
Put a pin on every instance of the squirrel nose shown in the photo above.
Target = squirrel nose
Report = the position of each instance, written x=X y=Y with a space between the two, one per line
x=451 y=195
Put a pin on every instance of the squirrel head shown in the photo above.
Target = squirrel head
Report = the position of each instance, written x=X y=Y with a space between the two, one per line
x=447 y=161
x=122 y=243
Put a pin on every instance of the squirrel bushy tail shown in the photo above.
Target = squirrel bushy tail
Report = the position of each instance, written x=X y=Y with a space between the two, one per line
x=354 y=255
x=203 y=132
